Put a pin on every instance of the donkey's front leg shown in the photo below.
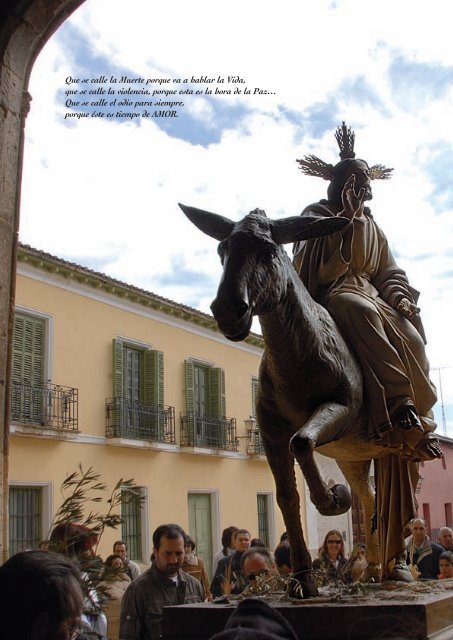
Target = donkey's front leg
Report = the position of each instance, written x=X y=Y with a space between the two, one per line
x=276 y=440
x=323 y=426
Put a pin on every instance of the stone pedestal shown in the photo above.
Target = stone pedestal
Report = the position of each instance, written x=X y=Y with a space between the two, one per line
x=385 y=616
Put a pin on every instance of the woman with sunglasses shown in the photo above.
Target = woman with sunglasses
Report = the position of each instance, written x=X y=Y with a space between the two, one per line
x=331 y=559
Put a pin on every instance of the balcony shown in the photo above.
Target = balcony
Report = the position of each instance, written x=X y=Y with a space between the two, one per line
x=139 y=421
x=255 y=446
x=48 y=406
x=209 y=433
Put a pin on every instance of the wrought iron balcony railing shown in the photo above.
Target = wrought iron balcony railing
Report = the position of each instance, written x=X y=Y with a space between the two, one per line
x=210 y=433
x=139 y=421
x=255 y=444
x=50 y=406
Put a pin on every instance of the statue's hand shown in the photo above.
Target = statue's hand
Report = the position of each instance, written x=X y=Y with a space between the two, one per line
x=352 y=201
x=407 y=308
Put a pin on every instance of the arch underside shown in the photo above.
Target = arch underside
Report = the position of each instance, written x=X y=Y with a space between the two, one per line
x=25 y=27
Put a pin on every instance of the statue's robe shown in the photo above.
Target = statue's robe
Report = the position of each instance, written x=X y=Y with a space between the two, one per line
x=353 y=274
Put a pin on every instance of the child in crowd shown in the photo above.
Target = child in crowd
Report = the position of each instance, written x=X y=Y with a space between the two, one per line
x=445 y=565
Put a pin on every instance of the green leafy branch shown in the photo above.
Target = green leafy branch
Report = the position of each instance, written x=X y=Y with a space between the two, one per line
x=78 y=490
x=83 y=487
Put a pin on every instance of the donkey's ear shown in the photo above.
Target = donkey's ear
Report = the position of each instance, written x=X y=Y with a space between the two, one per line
x=212 y=224
x=304 y=227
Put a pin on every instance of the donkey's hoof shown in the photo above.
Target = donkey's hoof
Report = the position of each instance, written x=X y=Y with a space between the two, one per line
x=301 y=446
x=342 y=498
x=401 y=574
x=372 y=573
x=340 y=501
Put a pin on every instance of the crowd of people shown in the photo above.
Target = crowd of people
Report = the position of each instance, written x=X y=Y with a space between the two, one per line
x=429 y=560
x=64 y=591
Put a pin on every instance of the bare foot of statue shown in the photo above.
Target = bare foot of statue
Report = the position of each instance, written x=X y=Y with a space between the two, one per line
x=401 y=571
x=427 y=449
x=406 y=418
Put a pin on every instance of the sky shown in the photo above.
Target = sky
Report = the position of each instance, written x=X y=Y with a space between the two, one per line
x=103 y=191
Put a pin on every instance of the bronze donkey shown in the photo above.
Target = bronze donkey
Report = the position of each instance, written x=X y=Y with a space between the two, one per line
x=310 y=386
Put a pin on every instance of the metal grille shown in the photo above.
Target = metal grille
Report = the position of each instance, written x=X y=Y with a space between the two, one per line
x=139 y=421
x=25 y=518
x=46 y=405
x=131 y=531
x=211 y=433
x=255 y=444
x=262 y=500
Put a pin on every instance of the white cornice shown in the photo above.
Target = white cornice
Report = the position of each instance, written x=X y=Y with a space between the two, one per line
x=104 y=297
x=221 y=453
x=143 y=445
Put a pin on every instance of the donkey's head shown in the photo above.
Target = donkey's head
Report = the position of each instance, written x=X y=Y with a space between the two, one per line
x=252 y=259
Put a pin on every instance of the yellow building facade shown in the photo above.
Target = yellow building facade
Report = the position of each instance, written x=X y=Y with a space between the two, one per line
x=191 y=463
x=136 y=386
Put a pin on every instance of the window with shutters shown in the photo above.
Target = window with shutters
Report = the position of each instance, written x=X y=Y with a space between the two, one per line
x=34 y=399
x=137 y=409
x=204 y=424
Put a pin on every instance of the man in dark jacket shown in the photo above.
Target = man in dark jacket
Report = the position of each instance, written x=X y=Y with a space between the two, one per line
x=422 y=554
x=162 y=585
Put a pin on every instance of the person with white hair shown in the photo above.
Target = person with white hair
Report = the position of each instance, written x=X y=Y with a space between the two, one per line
x=446 y=538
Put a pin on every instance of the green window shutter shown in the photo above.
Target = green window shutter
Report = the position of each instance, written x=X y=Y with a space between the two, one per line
x=18 y=343
x=154 y=391
x=189 y=371
x=190 y=385
x=117 y=391
x=154 y=377
x=118 y=415
x=216 y=392
x=28 y=350
x=28 y=397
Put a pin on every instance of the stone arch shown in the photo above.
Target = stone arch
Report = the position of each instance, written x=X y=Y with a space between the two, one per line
x=25 y=27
